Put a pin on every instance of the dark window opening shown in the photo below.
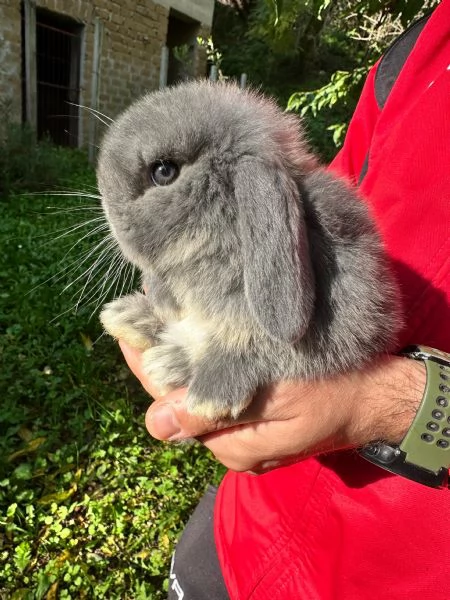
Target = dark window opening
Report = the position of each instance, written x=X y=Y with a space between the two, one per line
x=181 y=40
x=58 y=53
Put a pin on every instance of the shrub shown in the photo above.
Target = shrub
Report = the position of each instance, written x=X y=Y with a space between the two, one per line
x=30 y=165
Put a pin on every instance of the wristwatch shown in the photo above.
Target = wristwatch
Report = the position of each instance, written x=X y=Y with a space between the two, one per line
x=424 y=453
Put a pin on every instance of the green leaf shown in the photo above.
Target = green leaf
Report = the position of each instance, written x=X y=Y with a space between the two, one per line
x=277 y=6
x=22 y=556
x=23 y=471
x=11 y=510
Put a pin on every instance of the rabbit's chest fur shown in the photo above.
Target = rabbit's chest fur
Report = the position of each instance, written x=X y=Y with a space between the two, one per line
x=258 y=264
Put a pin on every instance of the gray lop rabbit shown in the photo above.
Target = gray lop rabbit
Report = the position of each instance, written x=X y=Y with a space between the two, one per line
x=259 y=264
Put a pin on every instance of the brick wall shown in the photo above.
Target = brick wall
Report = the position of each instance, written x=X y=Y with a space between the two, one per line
x=133 y=33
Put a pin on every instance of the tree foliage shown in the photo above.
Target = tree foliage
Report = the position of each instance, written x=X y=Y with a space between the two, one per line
x=313 y=55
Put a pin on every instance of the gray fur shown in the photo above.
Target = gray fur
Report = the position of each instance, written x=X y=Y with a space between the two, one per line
x=260 y=265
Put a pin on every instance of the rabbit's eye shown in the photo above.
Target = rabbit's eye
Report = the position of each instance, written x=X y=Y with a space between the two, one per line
x=163 y=172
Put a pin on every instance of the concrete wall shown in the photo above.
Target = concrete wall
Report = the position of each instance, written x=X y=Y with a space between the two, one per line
x=198 y=10
x=10 y=57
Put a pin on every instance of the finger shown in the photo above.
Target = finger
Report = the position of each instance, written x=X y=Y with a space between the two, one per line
x=255 y=447
x=133 y=358
x=169 y=419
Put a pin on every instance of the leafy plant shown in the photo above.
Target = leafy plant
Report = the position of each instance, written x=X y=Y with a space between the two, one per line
x=27 y=164
x=213 y=55
x=343 y=89
x=372 y=25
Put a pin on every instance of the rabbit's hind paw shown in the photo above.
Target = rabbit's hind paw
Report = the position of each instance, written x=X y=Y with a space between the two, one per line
x=168 y=367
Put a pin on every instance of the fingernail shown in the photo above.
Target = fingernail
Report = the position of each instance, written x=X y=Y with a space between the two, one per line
x=163 y=423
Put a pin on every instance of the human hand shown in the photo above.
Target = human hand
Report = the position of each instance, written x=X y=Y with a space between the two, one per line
x=289 y=421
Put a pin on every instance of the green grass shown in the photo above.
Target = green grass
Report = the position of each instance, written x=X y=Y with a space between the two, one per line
x=90 y=505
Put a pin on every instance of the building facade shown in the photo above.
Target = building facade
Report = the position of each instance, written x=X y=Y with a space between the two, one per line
x=101 y=54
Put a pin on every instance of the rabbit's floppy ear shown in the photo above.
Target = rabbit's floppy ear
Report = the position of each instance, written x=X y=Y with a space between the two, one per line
x=278 y=276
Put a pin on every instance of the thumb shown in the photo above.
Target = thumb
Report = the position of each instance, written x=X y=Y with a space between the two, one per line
x=168 y=419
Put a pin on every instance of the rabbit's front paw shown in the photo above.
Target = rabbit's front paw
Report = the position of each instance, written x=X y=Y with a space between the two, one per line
x=222 y=387
x=168 y=367
x=217 y=406
x=131 y=318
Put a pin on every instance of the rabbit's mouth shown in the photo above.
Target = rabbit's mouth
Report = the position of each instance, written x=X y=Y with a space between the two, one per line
x=124 y=235
x=128 y=249
x=134 y=257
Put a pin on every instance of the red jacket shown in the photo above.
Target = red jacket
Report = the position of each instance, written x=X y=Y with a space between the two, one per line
x=339 y=528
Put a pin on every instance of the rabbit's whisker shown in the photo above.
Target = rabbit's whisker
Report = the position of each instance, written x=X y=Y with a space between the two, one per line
x=91 y=267
x=73 y=266
x=63 y=230
x=68 y=194
x=128 y=281
x=116 y=262
x=76 y=264
x=59 y=210
x=96 y=113
x=120 y=276
x=95 y=269
x=131 y=278
x=97 y=289
x=102 y=227
x=75 y=307
x=67 y=231
x=88 y=253
x=94 y=343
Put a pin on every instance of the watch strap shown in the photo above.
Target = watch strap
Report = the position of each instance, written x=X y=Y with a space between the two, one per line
x=427 y=442
x=424 y=453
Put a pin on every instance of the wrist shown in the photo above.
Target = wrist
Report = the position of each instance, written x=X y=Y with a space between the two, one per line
x=388 y=396
x=423 y=455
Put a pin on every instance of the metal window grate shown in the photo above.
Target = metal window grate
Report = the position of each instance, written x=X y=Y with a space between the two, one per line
x=58 y=45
